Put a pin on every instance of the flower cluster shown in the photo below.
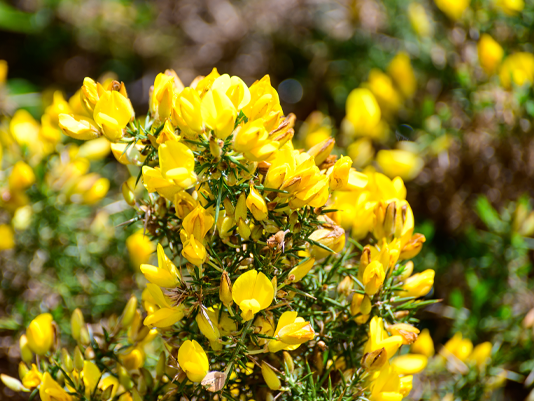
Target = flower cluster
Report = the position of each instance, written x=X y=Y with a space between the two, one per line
x=259 y=261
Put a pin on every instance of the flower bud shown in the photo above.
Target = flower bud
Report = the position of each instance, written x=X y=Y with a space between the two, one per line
x=78 y=359
x=374 y=360
x=160 y=366
x=332 y=237
x=241 y=207
x=193 y=361
x=25 y=351
x=243 y=229
x=225 y=290
x=184 y=204
x=407 y=272
x=124 y=377
x=76 y=323
x=129 y=312
x=128 y=194
x=490 y=54
x=216 y=147
x=299 y=271
x=288 y=361
x=296 y=333
x=345 y=286
x=85 y=338
x=271 y=379
x=66 y=360
x=41 y=333
x=256 y=232
x=78 y=127
x=12 y=383
x=89 y=353
x=135 y=395
x=23 y=370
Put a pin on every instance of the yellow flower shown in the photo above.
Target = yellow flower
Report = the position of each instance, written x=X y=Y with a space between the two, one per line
x=256 y=204
x=7 y=237
x=409 y=364
x=401 y=71
x=339 y=173
x=33 y=378
x=263 y=100
x=419 y=20
x=517 y=68
x=186 y=112
x=128 y=154
x=419 y=284
x=291 y=331
x=321 y=150
x=360 y=303
x=162 y=94
x=363 y=112
x=387 y=386
x=332 y=236
x=225 y=290
x=373 y=277
x=252 y=291
x=458 y=346
x=454 y=9
x=25 y=351
x=184 y=204
x=96 y=149
x=193 y=360
x=167 y=133
x=412 y=248
x=91 y=376
x=140 y=248
x=21 y=176
x=89 y=94
x=219 y=113
x=271 y=379
x=154 y=181
x=177 y=163
x=92 y=187
x=59 y=106
x=385 y=93
x=233 y=87
x=112 y=113
x=378 y=338
x=198 y=222
x=203 y=84
x=193 y=249
x=490 y=54
x=406 y=331
x=50 y=390
x=25 y=131
x=165 y=275
x=400 y=163
x=134 y=359
x=511 y=7
x=41 y=334
x=480 y=356
x=254 y=142
x=167 y=315
x=423 y=345
x=375 y=360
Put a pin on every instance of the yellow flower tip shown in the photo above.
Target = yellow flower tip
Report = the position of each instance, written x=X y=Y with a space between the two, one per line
x=424 y=344
x=453 y=9
x=206 y=326
x=299 y=271
x=225 y=289
x=459 y=347
x=198 y=222
x=8 y=237
x=412 y=248
x=384 y=91
x=91 y=375
x=363 y=112
x=41 y=334
x=321 y=151
x=253 y=292
x=133 y=360
x=193 y=360
x=112 y=113
x=140 y=248
x=400 y=162
x=333 y=237
x=409 y=364
x=419 y=284
x=296 y=333
x=256 y=204
x=340 y=174
x=165 y=275
x=218 y=112
x=490 y=54
x=21 y=177
x=401 y=71
x=12 y=383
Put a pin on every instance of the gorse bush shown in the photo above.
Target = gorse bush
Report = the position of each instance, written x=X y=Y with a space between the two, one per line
x=258 y=291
